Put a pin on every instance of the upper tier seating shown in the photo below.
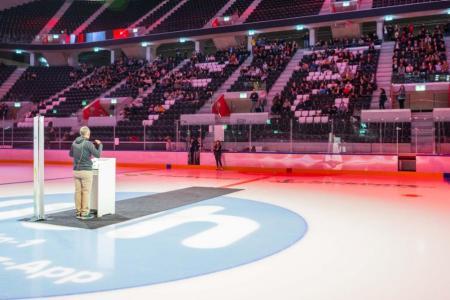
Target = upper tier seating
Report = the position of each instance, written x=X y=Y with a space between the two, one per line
x=116 y=16
x=282 y=9
x=238 y=7
x=39 y=83
x=78 y=12
x=102 y=79
x=418 y=57
x=22 y=23
x=193 y=14
x=270 y=58
x=383 y=3
x=155 y=16
x=5 y=72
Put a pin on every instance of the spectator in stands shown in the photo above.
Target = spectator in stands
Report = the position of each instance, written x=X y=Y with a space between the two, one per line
x=306 y=39
x=417 y=56
x=383 y=98
x=3 y=111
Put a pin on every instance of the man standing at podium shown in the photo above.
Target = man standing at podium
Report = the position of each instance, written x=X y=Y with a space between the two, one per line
x=82 y=150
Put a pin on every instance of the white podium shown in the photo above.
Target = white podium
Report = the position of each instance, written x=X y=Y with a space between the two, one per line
x=103 y=196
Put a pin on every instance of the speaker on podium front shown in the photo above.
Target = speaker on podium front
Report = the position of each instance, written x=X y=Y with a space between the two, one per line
x=103 y=197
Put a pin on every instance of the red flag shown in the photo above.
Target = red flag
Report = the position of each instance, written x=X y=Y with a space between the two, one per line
x=220 y=107
x=94 y=109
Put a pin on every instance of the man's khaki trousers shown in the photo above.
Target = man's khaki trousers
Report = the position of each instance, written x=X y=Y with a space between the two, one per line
x=83 y=186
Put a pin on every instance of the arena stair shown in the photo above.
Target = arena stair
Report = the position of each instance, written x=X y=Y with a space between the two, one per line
x=156 y=24
x=422 y=132
x=91 y=19
x=220 y=13
x=55 y=19
x=384 y=74
x=248 y=12
x=206 y=109
x=284 y=77
x=136 y=24
x=9 y=83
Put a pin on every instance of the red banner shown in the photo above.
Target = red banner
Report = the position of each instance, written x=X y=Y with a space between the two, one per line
x=221 y=108
x=120 y=33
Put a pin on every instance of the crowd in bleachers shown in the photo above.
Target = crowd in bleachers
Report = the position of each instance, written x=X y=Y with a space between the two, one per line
x=101 y=79
x=184 y=90
x=331 y=73
x=363 y=40
x=418 y=53
x=270 y=58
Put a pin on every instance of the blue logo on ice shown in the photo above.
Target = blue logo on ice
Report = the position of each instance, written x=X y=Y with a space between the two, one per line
x=197 y=239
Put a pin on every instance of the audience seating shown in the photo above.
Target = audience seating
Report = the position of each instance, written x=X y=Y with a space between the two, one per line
x=270 y=58
x=76 y=14
x=419 y=57
x=119 y=17
x=384 y=3
x=283 y=9
x=5 y=72
x=191 y=15
x=238 y=7
x=102 y=79
x=39 y=83
x=23 y=22
x=182 y=92
x=148 y=21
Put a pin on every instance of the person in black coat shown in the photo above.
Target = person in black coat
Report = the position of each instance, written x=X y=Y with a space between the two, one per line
x=194 y=148
x=383 y=98
x=217 y=149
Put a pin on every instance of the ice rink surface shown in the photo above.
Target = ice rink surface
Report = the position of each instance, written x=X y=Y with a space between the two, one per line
x=310 y=236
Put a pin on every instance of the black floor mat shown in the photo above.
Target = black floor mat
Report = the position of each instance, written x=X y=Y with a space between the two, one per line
x=139 y=207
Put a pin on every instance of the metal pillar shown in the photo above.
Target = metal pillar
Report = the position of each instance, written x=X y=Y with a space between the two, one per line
x=38 y=168
x=312 y=37
x=145 y=138
x=380 y=33
x=250 y=138
x=397 y=129
x=177 y=134
x=291 y=148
